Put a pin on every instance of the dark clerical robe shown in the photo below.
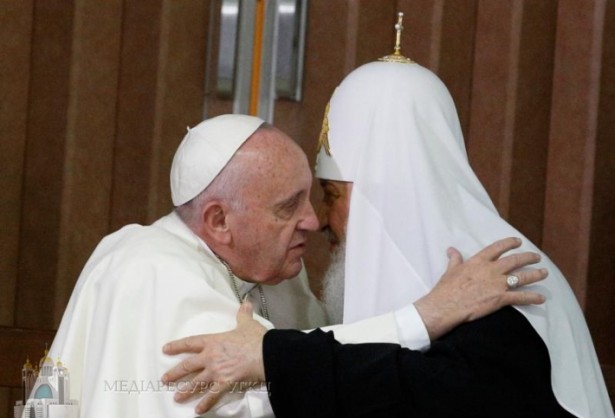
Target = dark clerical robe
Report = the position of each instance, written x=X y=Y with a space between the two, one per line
x=494 y=367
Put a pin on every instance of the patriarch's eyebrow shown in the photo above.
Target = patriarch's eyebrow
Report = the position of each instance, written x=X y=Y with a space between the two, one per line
x=327 y=185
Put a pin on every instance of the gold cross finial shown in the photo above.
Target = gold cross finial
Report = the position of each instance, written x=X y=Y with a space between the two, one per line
x=398 y=28
x=396 y=56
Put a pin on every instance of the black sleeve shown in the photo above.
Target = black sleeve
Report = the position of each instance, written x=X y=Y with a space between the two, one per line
x=494 y=367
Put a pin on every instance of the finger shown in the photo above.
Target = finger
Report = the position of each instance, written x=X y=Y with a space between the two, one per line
x=181 y=370
x=245 y=312
x=495 y=250
x=211 y=398
x=516 y=261
x=193 y=344
x=523 y=298
x=186 y=390
x=454 y=258
x=199 y=385
x=531 y=276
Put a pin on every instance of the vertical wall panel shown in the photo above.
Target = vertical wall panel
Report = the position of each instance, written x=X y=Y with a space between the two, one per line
x=457 y=55
x=5 y=405
x=375 y=32
x=494 y=96
x=88 y=165
x=439 y=35
x=40 y=222
x=136 y=112
x=15 y=39
x=214 y=103
x=14 y=395
x=572 y=140
x=532 y=115
x=421 y=38
x=180 y=91
x=601 y=270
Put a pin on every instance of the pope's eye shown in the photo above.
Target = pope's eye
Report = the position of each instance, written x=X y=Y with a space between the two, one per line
x=288 y=208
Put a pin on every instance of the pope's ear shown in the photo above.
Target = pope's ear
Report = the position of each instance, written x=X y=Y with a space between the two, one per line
x=215 y=225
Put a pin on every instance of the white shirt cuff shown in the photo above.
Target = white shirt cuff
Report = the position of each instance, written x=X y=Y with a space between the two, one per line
x=411 y=329
x=378 y=329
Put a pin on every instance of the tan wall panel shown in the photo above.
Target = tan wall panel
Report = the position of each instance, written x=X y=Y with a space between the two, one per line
x=456 y=60
x=180 y=92
x=572 y=145
x=532 y=115
x=494 y=89
x=601 y=271
x=8 y=397
x=88 y=165
x=15 y=39
x=375 y=32
x=136 y=112
x=214 y=104
x=40 y=234
x=5 y=407
x=421 y=38
x=439 y=35
x=14 y=396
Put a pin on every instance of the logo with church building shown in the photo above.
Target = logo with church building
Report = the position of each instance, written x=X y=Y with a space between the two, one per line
x=46 y=391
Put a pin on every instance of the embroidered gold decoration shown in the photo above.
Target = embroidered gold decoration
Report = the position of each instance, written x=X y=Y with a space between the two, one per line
x=396 y=56
x=323 y=139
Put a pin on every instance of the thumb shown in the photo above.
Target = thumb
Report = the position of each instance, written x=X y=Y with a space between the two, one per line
x=454 y=258
x=245 y=312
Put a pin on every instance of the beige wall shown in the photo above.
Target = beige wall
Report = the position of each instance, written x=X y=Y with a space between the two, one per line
x=96 y=95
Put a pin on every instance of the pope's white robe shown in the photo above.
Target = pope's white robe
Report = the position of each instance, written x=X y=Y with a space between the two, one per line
x=146 y=285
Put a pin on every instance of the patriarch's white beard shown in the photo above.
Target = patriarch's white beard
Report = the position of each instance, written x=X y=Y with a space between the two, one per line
x=333 y=285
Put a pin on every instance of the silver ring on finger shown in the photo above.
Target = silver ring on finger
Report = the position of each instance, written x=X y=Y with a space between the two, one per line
x=512 y=281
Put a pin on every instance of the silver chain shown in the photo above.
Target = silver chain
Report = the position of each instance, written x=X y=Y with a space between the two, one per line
x=231 y=276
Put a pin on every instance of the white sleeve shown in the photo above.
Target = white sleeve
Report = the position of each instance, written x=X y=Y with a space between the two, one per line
x=250 y=404
x=112 y=335
x=411 y=329
x=382 y=329
x=404 y=327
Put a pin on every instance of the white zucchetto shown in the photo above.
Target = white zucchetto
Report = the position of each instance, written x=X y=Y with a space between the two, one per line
x=205 y=151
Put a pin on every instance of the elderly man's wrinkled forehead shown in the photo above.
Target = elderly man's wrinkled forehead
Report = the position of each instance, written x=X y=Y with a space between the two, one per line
x=271 y=158
x=269 y=143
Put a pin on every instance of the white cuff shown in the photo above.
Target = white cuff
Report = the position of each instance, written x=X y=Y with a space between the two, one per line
x=411 y=329
x=378 y=329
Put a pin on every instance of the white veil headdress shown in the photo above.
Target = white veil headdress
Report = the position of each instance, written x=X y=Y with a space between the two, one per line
x=394 y=132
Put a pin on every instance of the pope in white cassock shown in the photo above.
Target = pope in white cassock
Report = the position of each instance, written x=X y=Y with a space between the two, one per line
x=144 y=285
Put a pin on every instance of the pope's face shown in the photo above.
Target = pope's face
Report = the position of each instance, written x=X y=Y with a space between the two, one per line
x=271 y=231
x=333 y=212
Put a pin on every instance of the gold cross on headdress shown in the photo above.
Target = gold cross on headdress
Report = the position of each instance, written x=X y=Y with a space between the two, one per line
x=398 y=28
x=323 y=139
x=396 y=56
